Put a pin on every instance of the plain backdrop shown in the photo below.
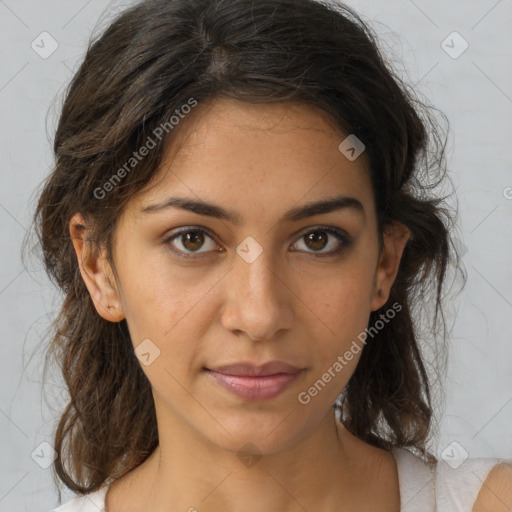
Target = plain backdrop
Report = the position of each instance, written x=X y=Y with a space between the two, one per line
x=474 y=90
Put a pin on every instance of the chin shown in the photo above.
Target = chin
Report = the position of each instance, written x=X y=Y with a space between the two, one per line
x=263 y=435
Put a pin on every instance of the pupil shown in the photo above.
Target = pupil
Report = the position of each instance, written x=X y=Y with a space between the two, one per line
x=315 y=238
x=195 y=237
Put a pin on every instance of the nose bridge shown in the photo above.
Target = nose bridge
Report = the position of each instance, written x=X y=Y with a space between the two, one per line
x=257 y=301
x=255 y=266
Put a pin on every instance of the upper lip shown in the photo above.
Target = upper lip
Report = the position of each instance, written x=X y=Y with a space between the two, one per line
x=250 y=369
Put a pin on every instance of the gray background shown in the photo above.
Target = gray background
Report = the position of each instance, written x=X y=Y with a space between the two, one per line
x=473 y=90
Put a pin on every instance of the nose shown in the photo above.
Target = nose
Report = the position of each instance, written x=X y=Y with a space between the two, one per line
x=258 y=299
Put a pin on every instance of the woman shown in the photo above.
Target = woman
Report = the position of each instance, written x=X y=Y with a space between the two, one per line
x=243 y=223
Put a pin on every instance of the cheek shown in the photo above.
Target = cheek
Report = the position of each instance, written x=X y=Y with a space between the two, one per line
x=339 y=310
x=156 y=294
x=343 y=300
x=172 y=311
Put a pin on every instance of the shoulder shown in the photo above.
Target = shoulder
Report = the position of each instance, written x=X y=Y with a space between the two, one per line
x=496 y=492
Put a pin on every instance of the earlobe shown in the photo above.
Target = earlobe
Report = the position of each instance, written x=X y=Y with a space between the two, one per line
x=395 y=238
x=96 y=272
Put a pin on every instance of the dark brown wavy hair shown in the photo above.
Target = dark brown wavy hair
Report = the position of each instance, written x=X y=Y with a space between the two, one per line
x=149 y=62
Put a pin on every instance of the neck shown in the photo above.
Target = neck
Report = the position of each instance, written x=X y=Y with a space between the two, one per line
x=188 y=473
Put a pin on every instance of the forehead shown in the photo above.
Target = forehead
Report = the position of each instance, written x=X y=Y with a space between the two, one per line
x=224 y=122
x=258 y=156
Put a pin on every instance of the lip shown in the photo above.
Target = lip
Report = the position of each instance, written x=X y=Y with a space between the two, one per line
x=253 y=370
x=255 y=383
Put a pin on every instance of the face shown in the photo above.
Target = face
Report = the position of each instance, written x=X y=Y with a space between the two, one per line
x=256 y=277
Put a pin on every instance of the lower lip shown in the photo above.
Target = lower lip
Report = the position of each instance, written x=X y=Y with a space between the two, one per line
x=255 y=388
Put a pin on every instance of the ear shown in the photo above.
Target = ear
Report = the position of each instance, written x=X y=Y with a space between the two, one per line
x=96 y=272
x=395 y=238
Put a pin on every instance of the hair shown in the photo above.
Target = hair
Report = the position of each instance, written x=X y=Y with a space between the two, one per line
x=150 y=61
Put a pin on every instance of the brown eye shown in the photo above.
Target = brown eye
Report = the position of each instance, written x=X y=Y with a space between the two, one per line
x=321 y=238
x=193 y=240
x=189 y=241
x=316 y=240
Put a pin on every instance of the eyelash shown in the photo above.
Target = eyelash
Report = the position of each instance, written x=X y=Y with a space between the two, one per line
x=346 y=241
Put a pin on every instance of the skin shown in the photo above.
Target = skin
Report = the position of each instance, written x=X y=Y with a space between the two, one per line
x=288 y=304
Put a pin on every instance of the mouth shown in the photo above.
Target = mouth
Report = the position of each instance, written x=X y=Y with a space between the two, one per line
x=255 y=383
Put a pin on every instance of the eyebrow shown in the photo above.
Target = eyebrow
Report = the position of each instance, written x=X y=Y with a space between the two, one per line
x=293 y=215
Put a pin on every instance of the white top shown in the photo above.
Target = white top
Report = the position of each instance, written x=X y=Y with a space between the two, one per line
x=441 y=487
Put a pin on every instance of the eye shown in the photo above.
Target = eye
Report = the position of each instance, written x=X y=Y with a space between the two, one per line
x=189 y=241
x=322 y=237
